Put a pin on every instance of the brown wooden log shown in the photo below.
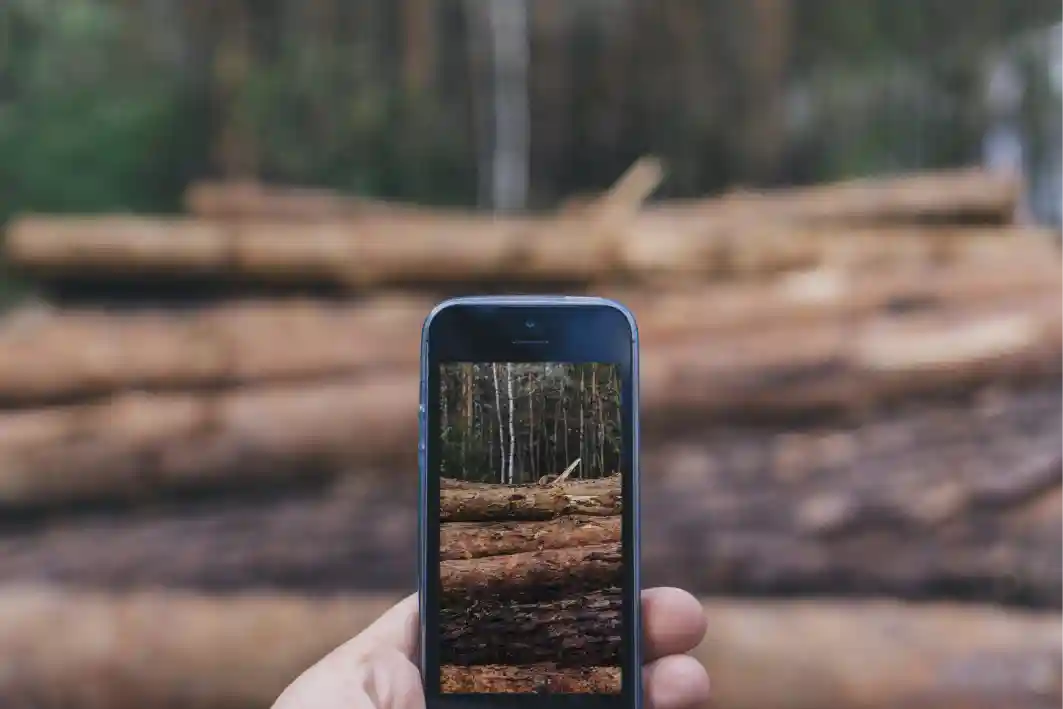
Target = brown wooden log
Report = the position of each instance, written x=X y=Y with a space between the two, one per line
x=526 y=503
x=62 y=355
x=57 y=356
x=138 y=444
x=446 y=250
x=120 y=654
x=827 y=295
x=846 y=366
x=809 y=655
x=474 y=540
x=116 y=654
x=574 y=632
x=495 y=679
x=959 y=196
x=530 y=576
x=945 y=499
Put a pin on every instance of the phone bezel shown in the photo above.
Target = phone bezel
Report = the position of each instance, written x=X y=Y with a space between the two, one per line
x=492 y=329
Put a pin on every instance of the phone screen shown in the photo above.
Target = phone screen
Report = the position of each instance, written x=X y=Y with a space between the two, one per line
x=529 y=505
x=530 y=527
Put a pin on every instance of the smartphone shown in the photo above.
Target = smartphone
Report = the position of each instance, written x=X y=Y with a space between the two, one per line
x=529 y=507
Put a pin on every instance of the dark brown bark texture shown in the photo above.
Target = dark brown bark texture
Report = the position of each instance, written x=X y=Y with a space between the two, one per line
x=473 y=540
x=543 y=678
x=530 y=576
x=576 y=632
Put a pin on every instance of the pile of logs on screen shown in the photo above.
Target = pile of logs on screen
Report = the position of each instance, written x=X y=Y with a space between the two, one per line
x=851 y=442
x=531 y=580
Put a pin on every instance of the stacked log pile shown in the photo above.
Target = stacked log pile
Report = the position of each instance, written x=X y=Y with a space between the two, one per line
x=242 y=649
x=530 y=580
x=848 y=391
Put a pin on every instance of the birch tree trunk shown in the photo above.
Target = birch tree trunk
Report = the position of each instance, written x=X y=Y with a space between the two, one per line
x=509 y=48
x=512 y=438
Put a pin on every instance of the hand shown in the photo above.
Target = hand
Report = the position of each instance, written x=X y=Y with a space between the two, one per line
x=376 y=670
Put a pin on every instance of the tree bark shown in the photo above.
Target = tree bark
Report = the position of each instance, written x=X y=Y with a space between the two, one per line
x=510 y=408
x=530 y=576
x=501 y=437
x=493 y=679
x=575 y=632
x=962 y=196
x=64 y=356
x=527 y=503
x=452 y=251
x=140 y=445
x=135 y=443
x=461 y=540
x=793 y=655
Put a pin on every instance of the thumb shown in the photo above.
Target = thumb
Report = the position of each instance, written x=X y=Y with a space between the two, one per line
x=374 y=669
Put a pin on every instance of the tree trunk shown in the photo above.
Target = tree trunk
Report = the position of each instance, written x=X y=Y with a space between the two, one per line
x=460 y=540
x=511 y=409
x=581 y=632
x=62 y=356
x=531 y=576
x=963 y=197
x=507 y=503
x=501 y=439
x=582 y=420
x=140 y=445
x=958 y=197
x=493 y=679
x=454 y=251
x=788 y=655
x=508 y=21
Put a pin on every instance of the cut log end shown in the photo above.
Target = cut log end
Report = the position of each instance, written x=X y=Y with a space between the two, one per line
x=538 y=679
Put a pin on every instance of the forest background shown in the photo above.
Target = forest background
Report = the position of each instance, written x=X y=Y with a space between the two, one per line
x=117 y=105
x=505 y=422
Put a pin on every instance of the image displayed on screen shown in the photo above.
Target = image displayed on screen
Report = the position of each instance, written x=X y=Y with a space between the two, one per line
x=530 y=528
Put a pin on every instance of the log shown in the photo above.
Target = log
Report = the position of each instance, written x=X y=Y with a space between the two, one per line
x=118 y=655
x=376 y=251
x=848 y=366
x=139 y=445
x=136 y=444
x=493 y=679
x=115 y=653
x=475 y=540
x=958 y=196
x=931 y=500
x=530 y=576
x=59 y=356
x=825 y=295
x=63 y=356
x=504 y=502
x=575 y=632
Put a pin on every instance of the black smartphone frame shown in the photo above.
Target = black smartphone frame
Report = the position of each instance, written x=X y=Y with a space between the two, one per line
x=528 y=329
